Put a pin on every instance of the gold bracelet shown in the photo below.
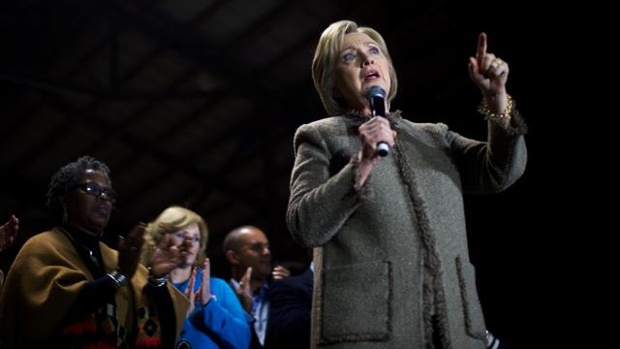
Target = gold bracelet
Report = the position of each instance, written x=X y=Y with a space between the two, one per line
x=484 y=110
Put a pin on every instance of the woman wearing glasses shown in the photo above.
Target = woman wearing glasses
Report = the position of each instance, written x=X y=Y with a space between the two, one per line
x=68 y=288
x=215 y=318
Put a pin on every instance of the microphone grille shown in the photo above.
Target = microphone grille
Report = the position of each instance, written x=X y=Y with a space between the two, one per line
x=376 y=91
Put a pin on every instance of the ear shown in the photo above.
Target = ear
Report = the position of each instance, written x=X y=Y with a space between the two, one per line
x=232 y=258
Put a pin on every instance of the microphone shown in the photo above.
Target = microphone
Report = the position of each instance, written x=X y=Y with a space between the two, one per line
x=376 y=99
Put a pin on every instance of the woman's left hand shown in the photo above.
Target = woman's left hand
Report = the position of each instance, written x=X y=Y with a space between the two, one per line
x=203 y=294
x=205 y=289
x=488 y=71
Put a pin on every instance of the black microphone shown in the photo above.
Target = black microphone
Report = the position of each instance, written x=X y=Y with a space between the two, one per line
x=376 y=99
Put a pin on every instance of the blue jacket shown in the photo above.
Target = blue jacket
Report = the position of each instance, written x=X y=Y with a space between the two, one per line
x=222 y=323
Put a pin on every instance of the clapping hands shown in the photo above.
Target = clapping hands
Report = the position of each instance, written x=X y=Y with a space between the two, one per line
x=168 y=256
x=203 y=294
x=8 y=233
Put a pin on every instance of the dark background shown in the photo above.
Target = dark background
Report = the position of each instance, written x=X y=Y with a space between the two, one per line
x=196 y=103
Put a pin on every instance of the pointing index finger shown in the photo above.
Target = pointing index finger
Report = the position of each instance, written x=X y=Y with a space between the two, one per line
x=481 y=50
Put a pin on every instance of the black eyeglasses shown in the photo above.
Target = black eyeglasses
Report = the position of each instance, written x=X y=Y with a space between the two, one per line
x=97 y=190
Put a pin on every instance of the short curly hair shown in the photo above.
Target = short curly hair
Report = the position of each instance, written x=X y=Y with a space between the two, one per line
x=66 y=178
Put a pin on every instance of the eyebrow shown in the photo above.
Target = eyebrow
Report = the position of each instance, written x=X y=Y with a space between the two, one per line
x=257 y=243
x=365 y=44
x=185 y=231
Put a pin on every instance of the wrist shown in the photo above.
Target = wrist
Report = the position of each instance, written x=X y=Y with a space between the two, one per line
x=156 y=281
x=501 y=109
x=120 y=280
x=155 y=274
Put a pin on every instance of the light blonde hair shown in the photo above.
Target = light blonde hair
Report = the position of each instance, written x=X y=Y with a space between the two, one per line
x=170 y=221
x=327 y=56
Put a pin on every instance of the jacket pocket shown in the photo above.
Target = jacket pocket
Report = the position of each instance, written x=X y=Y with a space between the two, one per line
x=474 y=319
x=356 y=303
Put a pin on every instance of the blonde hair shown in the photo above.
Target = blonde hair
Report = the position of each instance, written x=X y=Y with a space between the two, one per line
x=170 y=221
x=327 y=56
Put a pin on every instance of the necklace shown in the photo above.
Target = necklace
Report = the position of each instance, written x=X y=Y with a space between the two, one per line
x=91 y=255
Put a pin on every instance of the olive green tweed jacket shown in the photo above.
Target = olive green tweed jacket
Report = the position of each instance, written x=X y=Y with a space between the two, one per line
x=391 y=257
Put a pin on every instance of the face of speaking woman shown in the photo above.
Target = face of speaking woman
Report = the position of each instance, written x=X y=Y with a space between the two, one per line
x=361 y=64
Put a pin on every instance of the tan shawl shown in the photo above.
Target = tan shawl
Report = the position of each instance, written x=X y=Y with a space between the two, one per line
x=44 y=282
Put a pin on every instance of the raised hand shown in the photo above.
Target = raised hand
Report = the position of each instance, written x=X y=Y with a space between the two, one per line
x=280 y=272
x=203 y=294
x=205 y=289
x=168 y=256
x=488 y=72
x=129 y=250
x=244 y=291
x=8 y=233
